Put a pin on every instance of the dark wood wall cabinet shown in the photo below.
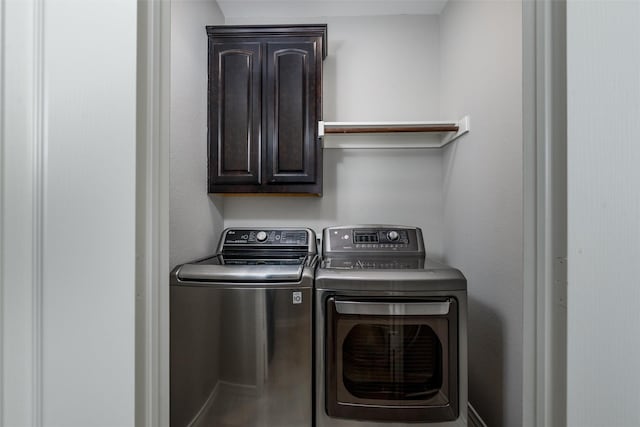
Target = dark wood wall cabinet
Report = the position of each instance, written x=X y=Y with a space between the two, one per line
x=265 y=101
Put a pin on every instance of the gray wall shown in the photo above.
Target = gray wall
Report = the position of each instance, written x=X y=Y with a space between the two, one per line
x=481 y=75
x=195 y=218
x=603 y=107
x=377 y=68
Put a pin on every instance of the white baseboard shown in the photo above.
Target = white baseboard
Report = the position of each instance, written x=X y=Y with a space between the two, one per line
x=474 y=418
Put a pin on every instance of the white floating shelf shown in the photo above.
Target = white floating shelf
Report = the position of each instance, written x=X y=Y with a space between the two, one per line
x=449 y=131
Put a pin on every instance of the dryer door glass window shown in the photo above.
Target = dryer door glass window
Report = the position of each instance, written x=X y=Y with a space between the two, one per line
x=392 y=361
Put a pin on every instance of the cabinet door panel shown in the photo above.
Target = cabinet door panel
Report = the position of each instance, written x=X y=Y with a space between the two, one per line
x=234 y=113
x=291 y=114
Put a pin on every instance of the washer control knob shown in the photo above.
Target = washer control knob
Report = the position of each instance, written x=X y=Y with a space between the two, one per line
x=393 y=235
x=261 y=236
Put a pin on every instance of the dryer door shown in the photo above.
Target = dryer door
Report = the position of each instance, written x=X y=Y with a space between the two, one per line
x=392 y=360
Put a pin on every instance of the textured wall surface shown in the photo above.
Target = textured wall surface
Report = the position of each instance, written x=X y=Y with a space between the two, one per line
x=195 y=218
x=603 y=106
x=481 y=75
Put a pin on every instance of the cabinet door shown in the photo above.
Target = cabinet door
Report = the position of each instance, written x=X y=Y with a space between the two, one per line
x=292 y=70
x=234 y=113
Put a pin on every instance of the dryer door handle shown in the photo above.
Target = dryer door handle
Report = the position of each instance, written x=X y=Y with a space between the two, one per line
x=369 y=308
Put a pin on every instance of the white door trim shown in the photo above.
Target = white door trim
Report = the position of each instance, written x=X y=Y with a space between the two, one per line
x=39 y=193
x=2 y=213
x=22 y=170
x=152 y=214
x=544 y=126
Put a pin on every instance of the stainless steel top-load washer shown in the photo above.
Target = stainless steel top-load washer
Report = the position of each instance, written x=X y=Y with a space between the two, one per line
x=391 y=337
x=241 y=332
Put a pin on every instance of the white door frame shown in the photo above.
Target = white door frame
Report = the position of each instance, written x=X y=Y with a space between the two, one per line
x=545 y=230
x=152 y=214
x=21 y=210
x=544 y=164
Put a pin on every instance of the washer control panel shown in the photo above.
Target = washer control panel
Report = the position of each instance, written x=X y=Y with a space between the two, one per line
x=270 y=237
x=373 y=239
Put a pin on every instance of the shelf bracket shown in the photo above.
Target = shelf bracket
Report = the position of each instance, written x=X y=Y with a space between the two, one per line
x=464 y=126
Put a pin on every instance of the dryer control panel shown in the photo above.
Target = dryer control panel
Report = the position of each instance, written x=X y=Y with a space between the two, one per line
x=373 y=239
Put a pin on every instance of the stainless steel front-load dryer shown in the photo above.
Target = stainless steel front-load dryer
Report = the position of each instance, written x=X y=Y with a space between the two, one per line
x=391 y=337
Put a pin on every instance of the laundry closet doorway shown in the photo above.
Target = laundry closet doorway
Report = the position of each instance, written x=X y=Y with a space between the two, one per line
x=520 y=373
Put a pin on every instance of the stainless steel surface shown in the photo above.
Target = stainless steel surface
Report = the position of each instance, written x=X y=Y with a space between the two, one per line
x=392 y=308
x=340 y=240
x=243 y=273
x=365 y=277
x=241 y=337
x=333 y=274
x=309 y=246
x=249 y=364
x=321 y=417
